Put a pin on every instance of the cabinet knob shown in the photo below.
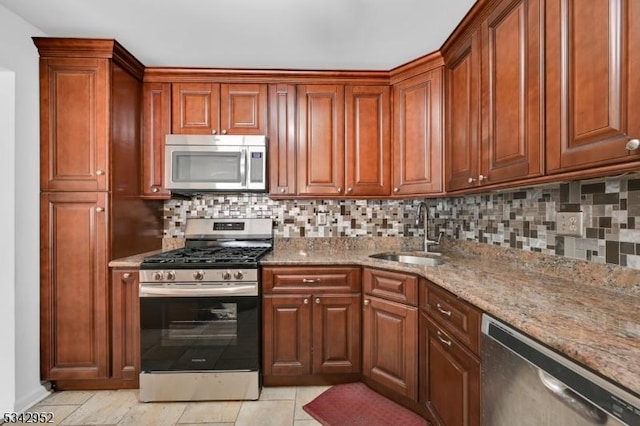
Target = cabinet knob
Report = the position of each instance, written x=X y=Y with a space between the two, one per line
x=214 y=131
x=482 y=178
x=366 y=302
x=633 y=144
x=317 y=300
x=305 y=301
x=224 y=131
x=155 y=189
x=99 y=172
x=340 y=189
x=99 y=209
x=349 y=189
x=471 y=180
x=126 y=276
x=283 y=190
x=396 y=189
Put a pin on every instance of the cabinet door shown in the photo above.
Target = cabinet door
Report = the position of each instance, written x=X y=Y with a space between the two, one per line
x=195 y=108
x=336 y=334
x=73 y=286
x=243 y=109
x=74 y=107
x=463 y=113
x=451 y=376
x=287 y=335
x=321 y=140
x=156 y=120
x=418 y=137
x=512 y=132
x=368 y=141
x=125 y=325
x=390 y=345
x=592 y=68
x=282 y=139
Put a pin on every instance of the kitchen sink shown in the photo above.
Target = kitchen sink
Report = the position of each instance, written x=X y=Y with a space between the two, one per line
x=426 y=259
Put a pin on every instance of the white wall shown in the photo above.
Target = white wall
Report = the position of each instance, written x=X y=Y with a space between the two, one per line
x=19 y=56
x=7 y=216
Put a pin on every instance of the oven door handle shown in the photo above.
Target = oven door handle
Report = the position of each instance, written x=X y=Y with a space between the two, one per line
x=161 y=291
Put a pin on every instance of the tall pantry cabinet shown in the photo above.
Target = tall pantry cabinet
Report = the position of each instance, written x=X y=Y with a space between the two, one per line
x=90 y=205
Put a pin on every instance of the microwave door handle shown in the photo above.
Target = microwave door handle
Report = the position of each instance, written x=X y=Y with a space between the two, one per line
x=243 y=167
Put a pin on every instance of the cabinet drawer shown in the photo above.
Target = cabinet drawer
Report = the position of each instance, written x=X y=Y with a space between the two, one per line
x=456 y=316
x=315 y=279
x=389 y=285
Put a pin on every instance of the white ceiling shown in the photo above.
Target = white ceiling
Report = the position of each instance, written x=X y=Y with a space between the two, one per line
x=268 y=34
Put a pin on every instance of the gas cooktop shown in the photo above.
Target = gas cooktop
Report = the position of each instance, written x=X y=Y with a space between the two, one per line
x=206 y=257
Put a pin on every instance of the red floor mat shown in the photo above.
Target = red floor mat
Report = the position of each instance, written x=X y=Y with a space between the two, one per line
x=356 y=404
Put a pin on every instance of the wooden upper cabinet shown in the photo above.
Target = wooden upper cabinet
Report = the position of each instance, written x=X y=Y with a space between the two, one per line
x=211 y=108
x=282 y=139
x=418 y=134
x=73 y=124
x=368 y=141
x=156 y=121
x=512 y=76
x=321 y=140
x=592 y=84
x=495 y=99
x=463 y=114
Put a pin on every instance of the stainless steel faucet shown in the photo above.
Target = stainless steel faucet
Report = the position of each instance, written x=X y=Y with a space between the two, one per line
x=422 y=220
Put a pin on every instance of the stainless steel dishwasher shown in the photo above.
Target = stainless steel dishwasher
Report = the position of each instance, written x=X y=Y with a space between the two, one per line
x=526 y=384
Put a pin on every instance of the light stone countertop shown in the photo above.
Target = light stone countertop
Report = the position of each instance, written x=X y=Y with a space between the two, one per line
x=597 y=326
x=586 y=311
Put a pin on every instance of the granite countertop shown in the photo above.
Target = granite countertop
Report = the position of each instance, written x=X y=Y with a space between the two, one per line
x=551 y=299
x=587 y=311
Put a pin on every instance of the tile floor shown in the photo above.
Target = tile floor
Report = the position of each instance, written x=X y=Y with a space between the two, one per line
x=277 y=406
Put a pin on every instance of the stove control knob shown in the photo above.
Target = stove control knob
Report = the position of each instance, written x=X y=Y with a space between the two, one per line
x=238 y=275
x=171 y=275
x=226 y=275
x=158 y=276
x=198 y=275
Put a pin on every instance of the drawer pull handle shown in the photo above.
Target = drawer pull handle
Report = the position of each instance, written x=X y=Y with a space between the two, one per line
x=442 y=311
x=445 y=341
x=310 y=281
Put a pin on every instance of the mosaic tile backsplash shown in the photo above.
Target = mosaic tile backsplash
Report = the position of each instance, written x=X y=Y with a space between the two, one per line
x=522 y=219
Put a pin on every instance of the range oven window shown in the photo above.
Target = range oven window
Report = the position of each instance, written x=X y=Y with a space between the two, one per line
x=199 y=333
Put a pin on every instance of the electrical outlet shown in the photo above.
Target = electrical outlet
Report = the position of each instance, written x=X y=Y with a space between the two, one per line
x=321 y=219
x=569 y=223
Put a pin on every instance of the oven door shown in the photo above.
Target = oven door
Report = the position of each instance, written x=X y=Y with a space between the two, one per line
x=200 y=333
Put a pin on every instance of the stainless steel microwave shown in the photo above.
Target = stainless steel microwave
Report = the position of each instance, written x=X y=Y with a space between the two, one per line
x=213 y=163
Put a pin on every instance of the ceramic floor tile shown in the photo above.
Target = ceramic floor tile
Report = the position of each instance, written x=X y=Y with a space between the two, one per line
x=105 y=408
x=306 y=423
x=68 y=398
x=305 y=395
x=60 y=412
x=266 y=413
x=154 y=414
x=211 y=412
x=278 y=393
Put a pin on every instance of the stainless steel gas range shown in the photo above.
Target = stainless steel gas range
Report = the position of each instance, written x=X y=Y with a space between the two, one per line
x=200 y=313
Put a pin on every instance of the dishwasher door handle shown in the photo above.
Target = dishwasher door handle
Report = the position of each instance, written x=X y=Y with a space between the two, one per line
x=572 y=400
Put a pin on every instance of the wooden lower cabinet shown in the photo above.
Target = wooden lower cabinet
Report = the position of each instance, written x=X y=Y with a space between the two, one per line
x=389 y=340
x=125 y=325
x=311 y=329
x=450 y=373
x=450 y=377
x=74 y=331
